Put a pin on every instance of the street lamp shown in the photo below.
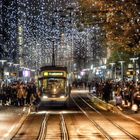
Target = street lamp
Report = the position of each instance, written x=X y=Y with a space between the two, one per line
x=134 y=68
x=2 y=69
x=112 y=68
x=10 y=63
x=122 y=70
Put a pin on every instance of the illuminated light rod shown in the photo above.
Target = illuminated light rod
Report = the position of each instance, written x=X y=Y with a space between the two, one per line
x=86 y=70
x=3 y=61
x=134 y=59
x=112 y=64
x=33 y=70
x=24 y=68
x=10 y=63
x=16 y=65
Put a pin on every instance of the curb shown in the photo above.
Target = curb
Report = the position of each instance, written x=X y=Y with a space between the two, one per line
x=103 y=105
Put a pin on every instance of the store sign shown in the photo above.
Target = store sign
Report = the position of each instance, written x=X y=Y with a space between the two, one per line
x=13 y=74
x=130 y=73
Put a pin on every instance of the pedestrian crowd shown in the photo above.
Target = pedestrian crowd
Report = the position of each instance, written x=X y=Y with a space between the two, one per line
x=18 y=93
x=123 y=93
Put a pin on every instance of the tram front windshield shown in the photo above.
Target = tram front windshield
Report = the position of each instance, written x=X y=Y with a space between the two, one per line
x=54 y=83
x=51 y=84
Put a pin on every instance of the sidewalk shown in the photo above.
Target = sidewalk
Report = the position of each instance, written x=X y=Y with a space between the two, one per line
x=127 y=109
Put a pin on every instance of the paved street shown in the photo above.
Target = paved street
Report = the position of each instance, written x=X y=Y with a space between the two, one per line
x=13 y=117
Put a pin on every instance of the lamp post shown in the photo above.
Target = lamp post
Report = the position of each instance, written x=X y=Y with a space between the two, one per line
x=112 y=69
x=122 y=70
x=2 y=68
x=16 y=69
x=134 y=68
x=104 y=61
x=10 y=68
x=70 y=9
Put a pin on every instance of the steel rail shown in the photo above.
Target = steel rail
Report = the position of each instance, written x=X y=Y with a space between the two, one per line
x=19 y=127
x=104 y=133
x=43 y=128
x=65 y=135
x=115 y=124
x=125 y=116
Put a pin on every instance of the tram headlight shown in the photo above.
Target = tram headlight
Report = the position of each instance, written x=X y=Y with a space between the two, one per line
x=54 y=90
x=62 y=96
x=44 y=97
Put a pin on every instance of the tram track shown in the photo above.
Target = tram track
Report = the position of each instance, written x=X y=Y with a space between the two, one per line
x=86 y=123
x=45 y=125
x=115 y=124
x=43 y=128
x=17 y=127
x=56 y=128
x=31 y=128
x=100 y=128
x=104 y=133
x=121 y=113
x=65 y=135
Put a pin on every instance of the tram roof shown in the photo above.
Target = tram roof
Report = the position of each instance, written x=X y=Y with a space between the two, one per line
x=53 y=68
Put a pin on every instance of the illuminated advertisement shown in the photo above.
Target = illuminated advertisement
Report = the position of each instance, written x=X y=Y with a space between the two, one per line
x=26 y=73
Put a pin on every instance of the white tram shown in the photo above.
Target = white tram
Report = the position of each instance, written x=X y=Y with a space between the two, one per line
x=53 y=83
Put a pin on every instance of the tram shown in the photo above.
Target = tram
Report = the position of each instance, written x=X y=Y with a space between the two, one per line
x=53 y=83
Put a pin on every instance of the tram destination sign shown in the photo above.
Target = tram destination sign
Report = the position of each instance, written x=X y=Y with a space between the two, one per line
x=53 y=74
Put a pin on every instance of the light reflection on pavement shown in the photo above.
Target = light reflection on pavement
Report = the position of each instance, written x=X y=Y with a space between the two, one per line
x=9 y=118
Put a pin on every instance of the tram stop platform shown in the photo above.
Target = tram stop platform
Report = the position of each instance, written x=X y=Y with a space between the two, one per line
x=111 y=106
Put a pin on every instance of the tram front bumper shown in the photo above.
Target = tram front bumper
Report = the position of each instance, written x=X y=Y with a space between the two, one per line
x=61 y=98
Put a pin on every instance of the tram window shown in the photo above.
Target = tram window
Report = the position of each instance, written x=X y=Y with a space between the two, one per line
x=39 y=84
x=44 y=83
x=56 y=83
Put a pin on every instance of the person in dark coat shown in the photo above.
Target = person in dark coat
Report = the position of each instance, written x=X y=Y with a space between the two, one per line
x=89 y=86
x=107 y=92
x=29 y=93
